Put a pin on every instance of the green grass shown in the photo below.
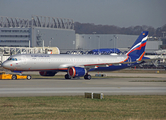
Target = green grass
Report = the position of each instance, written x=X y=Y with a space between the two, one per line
x=148 y=81
x=80 y=108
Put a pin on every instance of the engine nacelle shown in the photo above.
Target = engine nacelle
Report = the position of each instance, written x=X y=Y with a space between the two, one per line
x=47 y=73
x=76 y=71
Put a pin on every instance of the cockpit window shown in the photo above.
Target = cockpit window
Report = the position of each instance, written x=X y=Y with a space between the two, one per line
x=9 y=59
x=13 y=59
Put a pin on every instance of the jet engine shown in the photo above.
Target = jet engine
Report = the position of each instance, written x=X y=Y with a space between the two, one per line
x=76 y=71
x=47 y=73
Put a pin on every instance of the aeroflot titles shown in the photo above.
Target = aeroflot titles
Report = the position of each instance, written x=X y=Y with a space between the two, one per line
x=77 y=60
x=40 y=56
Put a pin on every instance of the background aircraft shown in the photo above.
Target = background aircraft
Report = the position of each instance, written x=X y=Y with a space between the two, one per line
x=104 y=51
x=78 y=65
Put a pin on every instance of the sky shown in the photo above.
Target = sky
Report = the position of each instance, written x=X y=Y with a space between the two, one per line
x=121 y=13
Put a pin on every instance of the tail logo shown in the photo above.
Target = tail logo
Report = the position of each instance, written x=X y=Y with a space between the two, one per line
x=138 y=47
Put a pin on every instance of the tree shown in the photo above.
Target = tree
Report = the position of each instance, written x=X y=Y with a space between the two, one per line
x=90 y=28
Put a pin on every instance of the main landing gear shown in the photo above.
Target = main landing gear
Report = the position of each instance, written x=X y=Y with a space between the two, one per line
x=67 y=76
x=87 y=77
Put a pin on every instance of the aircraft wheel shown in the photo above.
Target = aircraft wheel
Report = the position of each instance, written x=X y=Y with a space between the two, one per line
x=28 y=77
x=67 y=76
x=87 y=77
x=14 y=77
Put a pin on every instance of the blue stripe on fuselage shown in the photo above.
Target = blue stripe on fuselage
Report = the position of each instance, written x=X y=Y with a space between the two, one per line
x=113 y=67
x=118 y=67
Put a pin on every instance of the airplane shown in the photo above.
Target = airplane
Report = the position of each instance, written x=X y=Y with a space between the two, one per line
x=104 y=50
x=78 y=65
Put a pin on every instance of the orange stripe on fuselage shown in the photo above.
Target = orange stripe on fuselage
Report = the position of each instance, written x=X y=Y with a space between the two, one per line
x=62 y=69
x=124 y=60
x=140 y=58
x=42 y=69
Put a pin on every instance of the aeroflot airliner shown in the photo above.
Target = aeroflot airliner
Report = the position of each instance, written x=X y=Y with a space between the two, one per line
x=78 y=65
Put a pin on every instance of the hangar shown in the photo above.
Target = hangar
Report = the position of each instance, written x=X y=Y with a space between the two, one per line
x=43 y=31
x=37 y=32
x=123 y=42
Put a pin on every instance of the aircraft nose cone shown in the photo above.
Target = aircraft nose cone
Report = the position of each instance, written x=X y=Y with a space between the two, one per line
x=5 y=65
x=2 y=64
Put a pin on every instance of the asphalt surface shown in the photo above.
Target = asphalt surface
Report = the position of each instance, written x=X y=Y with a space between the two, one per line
x=123 y=84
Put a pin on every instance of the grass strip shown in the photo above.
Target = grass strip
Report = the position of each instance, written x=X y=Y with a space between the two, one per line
x=78 y=107
x=148 y=81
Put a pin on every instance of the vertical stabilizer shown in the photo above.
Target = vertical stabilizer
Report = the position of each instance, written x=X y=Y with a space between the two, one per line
x=138 y=48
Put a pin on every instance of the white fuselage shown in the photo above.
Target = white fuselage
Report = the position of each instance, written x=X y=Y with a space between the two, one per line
x=38 y=62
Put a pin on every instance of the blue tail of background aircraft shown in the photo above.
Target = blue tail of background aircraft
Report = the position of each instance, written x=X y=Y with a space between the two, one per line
x=138 y=48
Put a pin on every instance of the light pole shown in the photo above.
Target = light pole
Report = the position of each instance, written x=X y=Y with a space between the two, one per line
x=89 y=45
x=164 y=33
x=82 y=43
x=43 y=44
x=73 y=45
x=115 y=38
x=111 y=40
x=50 y=43
x=99 y=45
x=29 y=43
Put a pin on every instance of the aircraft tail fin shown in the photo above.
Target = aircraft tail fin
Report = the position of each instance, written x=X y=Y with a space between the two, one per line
x=138 y=48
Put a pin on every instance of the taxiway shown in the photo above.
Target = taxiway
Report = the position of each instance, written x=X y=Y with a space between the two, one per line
x=130 y=85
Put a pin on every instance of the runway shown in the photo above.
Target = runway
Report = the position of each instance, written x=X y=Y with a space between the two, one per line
x=60 y=86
